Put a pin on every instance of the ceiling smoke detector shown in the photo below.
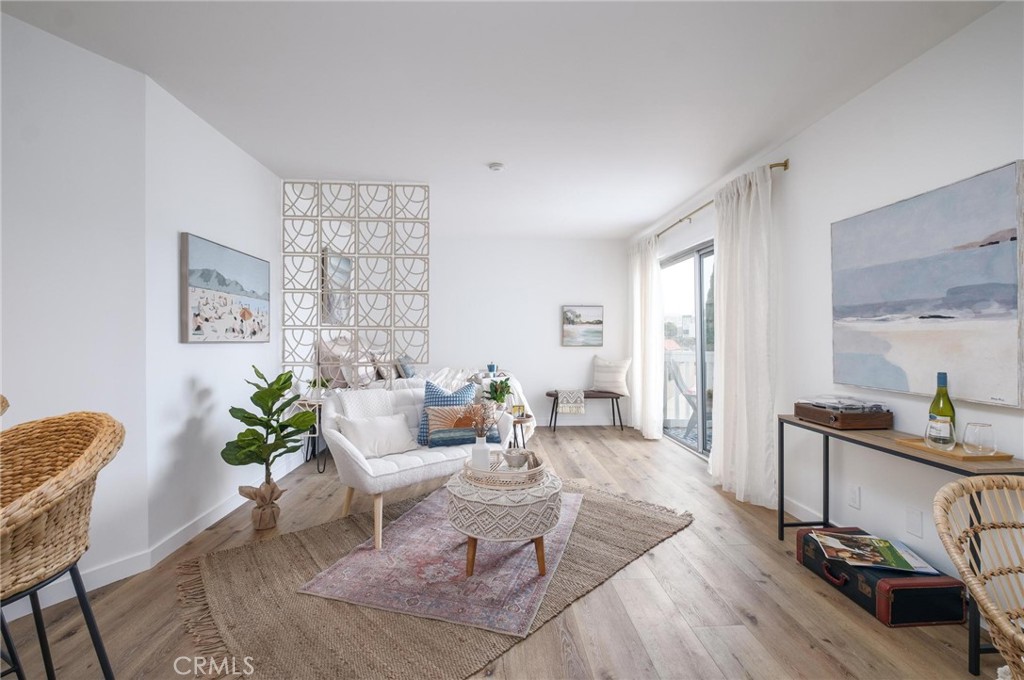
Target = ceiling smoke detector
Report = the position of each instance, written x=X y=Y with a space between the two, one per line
x=496 y=167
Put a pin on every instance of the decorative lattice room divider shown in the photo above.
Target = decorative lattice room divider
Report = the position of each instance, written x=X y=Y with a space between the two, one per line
x=356 y=276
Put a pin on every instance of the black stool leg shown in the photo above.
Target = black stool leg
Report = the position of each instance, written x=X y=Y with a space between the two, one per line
x=44 y=645
x=12 y=654
x=612 y=403
x=90 y=622
x=618 y=407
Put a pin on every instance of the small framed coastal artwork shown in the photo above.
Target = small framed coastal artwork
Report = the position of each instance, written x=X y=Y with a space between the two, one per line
x=582 y=325
x=933 y=283
x=224 y=293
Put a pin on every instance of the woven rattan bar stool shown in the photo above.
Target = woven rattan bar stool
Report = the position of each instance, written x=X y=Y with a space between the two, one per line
x=49 y=470
x=980 y=521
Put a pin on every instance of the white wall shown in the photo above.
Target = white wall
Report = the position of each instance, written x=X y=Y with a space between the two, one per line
x=198 y=181
x=73 y=263
x=500 y=299
x=101 y=170
x=955 y=111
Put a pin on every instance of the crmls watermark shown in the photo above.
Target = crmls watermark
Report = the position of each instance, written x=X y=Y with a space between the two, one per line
x=198 y=666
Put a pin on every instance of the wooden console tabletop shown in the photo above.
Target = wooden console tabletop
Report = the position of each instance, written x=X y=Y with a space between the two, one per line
x=885 y=441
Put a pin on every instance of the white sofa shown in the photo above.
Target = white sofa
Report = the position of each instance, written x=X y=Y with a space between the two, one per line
x=375 y=476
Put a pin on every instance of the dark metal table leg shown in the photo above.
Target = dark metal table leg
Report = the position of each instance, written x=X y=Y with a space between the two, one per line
x=973 y=638
x=12 y=654
x=90 y=622
x=824 y=480
x=611 y=402
x=321 y=458
x=781 y=475
x=973 y=615
x=554 y=403
x=44 y=644
x=618 y=407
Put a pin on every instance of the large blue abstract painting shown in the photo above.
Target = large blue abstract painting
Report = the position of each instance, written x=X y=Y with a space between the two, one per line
x=933 y=283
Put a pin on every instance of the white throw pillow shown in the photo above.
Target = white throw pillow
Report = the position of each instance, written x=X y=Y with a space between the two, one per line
x=366 y=403
x=380 y=436
x=610 y=376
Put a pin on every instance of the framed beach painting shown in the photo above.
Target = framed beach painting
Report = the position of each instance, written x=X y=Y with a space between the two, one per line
x=224 y=293
x=933 y=283
x=582 y=325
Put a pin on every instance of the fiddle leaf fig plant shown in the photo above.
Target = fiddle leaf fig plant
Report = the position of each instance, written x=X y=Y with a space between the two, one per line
x=269 y=434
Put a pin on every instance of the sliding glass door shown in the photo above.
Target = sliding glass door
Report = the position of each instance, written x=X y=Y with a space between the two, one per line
x=688 y=291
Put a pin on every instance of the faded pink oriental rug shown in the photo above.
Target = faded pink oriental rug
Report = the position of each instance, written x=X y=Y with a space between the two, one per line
x=422 y=571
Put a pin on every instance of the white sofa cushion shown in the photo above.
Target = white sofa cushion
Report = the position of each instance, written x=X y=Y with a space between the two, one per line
x=378 y=436
x=366 y=403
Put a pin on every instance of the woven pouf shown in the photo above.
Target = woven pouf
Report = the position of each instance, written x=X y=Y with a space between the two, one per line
x=516 y=514
x=504 y=514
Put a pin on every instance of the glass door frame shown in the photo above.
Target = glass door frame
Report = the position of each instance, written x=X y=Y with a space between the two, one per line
x=698 y=253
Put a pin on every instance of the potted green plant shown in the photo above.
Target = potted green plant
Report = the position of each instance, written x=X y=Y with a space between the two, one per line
x=498 y=392
x=317 y=386
x=268 y=436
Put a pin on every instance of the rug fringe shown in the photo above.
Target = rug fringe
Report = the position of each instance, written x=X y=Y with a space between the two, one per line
x=198 y=618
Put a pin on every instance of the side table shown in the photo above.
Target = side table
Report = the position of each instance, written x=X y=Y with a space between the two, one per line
x=517 y=514
x=311 y=446
x=518 y=431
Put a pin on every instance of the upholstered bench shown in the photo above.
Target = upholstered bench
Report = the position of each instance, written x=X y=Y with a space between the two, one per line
x=587 y=394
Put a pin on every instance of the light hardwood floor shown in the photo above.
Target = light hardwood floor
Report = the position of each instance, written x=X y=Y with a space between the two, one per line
x=722 y=599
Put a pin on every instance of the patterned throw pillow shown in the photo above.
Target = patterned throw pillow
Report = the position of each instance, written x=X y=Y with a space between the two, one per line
x=453 y=426
x=434 y=395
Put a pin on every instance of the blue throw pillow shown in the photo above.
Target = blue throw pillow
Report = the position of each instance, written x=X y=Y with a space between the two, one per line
x=434 y=395
x=405 y=366
x=461 y=436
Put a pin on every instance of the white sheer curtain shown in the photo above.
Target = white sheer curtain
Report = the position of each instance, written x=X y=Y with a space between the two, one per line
x=743 y=444
x=647 y=379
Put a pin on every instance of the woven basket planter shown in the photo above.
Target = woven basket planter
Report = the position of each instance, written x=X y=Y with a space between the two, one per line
x=48 y=474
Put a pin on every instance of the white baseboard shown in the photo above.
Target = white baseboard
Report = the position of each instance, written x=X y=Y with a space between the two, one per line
x=104 y=574
x=801 y=511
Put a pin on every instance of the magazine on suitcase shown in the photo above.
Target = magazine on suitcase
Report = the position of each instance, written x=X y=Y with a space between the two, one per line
x=894 y=597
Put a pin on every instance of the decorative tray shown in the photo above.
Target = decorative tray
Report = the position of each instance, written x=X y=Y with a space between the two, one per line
x=958 y=452
x=501 y=476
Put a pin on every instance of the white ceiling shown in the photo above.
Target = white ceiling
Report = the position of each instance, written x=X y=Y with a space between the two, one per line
x=606 y=114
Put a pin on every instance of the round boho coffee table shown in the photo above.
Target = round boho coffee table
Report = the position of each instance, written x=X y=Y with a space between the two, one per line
x=513 y=514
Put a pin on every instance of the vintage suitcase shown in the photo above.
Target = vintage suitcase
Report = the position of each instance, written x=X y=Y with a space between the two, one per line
x=896 y=598
x=839 y=420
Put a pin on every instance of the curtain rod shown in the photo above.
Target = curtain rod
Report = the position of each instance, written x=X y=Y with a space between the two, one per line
x=771 y=166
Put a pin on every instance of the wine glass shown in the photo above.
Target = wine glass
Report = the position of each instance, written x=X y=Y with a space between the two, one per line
x=979 y=439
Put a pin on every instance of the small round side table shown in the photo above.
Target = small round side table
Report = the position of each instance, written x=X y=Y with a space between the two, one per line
x=518 y=514
x=519 y=435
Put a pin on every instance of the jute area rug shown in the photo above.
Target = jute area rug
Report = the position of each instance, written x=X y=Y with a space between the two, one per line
x=243 y=608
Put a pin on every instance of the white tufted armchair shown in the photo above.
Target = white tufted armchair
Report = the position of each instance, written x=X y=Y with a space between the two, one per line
x=377 y=475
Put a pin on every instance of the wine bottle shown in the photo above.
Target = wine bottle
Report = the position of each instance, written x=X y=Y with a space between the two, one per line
x=941 y=431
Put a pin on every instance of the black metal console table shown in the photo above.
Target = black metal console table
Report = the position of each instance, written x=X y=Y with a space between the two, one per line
x=885 y=442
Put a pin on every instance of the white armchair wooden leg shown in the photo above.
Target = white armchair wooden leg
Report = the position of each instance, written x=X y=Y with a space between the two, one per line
x=378 y=520
x=346 y=504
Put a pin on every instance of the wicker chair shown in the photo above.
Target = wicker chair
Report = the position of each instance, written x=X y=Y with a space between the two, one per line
x=981 y=523
x=49 y=470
